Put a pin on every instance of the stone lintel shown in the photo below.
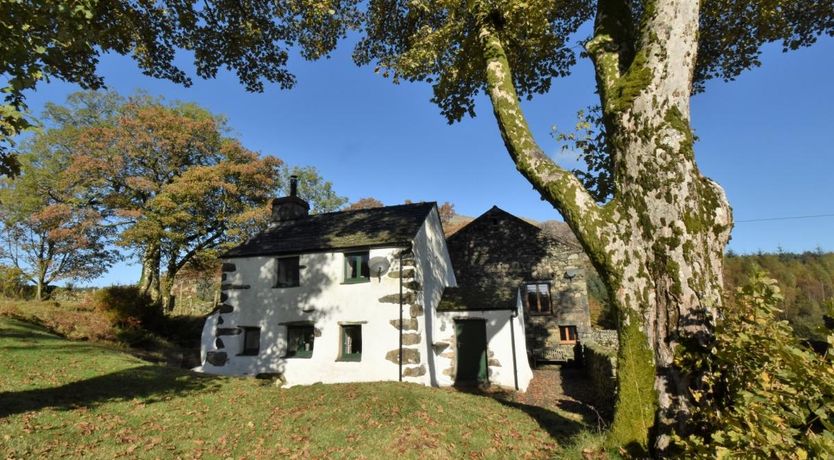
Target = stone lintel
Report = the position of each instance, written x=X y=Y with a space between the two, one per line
x=228 y=331
x=227 y=286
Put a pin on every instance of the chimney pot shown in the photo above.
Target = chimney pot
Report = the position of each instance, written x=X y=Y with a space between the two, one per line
x=293 y=185
x=289 y=207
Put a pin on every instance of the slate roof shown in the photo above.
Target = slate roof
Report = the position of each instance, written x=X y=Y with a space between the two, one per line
x=375 y=227
x=473 y=299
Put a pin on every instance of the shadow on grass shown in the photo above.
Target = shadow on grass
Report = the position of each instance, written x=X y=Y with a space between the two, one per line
x=149 y=383
x=561 y=429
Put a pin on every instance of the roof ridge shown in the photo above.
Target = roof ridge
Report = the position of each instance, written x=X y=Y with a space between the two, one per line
x=422 y=203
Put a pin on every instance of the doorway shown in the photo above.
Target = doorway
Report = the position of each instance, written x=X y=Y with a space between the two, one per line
x=470 y=335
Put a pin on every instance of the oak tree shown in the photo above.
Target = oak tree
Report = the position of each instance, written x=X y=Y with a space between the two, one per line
x=178 y=186
x=51 y=229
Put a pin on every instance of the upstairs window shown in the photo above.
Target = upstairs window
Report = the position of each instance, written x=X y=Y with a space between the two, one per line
x=356 y=267
x=351 y=343
x=537 y=296
x=251 y=341
x=567 y=334
x=287 y=272
x=300 y=341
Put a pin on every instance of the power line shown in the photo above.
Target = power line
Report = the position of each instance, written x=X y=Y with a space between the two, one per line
x=768 y=219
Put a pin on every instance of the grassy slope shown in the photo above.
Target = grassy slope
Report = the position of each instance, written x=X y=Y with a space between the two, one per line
x=60 y=398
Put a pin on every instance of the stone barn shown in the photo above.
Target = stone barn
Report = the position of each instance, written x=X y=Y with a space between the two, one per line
x=503 y=263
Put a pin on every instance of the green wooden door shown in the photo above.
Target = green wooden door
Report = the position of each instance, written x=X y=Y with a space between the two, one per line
x=471 y=351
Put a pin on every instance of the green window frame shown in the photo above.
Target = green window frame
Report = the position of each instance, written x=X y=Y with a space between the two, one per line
x=287 y=272
x=356 y=267
x=251 y=344
x=350 y=342
x=300 y=341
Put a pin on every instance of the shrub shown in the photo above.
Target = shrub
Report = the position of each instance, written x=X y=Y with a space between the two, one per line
x=765 y=394
x=12 y=282
x=127 y=307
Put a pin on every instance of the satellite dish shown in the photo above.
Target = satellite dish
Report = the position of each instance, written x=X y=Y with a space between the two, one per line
x=379 y=266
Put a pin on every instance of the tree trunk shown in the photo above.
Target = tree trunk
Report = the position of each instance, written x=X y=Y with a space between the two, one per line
x=39 y=288
x=659 y=243
x=149 y=283
x=167 y=286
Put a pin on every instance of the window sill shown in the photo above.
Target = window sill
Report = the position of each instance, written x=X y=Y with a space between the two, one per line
x=299 y=356
x=349 y=359
x=286 y=287
x=357 y=281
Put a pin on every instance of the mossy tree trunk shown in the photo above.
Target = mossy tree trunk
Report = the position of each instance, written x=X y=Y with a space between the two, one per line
x=658 y=244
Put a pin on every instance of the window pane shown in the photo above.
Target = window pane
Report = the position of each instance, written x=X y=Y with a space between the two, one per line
x=568 y=334
x=544 y=298
x=538 y=297
x=300 y=341
x=365 y=269
x=354 y=270
x=351 y=341
x=287 y=272
x=251 y=340
x=356 y=266
x=533 y=301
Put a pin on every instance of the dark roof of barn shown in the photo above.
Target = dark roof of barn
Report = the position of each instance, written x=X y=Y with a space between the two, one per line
x=374 y=227
x=469 y=299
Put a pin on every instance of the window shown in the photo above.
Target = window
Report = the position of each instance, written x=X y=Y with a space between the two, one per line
x=287 y=272
x=538 y=298
x=300 y=341
x=356 y=267
x=567 y=334
x=251 y=341
x=351 y=343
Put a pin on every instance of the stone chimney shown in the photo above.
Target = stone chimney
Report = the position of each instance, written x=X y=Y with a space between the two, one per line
x=289 y=207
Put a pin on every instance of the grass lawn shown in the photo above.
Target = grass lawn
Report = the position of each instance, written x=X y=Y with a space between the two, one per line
x=61 y=398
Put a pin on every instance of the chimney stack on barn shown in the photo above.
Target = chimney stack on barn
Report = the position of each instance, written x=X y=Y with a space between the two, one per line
x=289 y=207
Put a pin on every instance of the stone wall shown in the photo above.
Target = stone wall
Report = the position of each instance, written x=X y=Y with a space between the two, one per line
x=604 y=337
x=599 y=365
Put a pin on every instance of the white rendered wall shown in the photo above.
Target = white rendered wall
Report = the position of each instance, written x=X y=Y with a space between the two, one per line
x=499 y=346
x=434 y=269
x=325 y=301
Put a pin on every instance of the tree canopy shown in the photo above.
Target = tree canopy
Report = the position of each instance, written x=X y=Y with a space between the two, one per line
x=436 y=41
x=45 y=39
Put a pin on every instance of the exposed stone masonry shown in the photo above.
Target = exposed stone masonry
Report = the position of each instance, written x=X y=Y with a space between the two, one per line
x=497 y=253
x=410 y=299
x=219 y=358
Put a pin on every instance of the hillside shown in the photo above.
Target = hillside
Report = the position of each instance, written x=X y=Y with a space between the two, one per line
x=805 y=280
x=60 y=398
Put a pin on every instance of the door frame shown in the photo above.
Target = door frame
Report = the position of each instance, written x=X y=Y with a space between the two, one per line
x=482 y=322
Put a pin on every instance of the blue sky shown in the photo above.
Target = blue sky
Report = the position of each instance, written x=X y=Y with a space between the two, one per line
x=767 y=138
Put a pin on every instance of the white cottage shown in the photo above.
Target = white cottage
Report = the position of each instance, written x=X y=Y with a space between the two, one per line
x=352 y=296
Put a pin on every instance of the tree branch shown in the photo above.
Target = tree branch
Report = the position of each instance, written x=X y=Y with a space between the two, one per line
x=561 y=188
x=612 y=47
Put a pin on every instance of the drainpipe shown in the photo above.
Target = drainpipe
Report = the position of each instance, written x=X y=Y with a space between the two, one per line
x=513 y=316
x=401 y=315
